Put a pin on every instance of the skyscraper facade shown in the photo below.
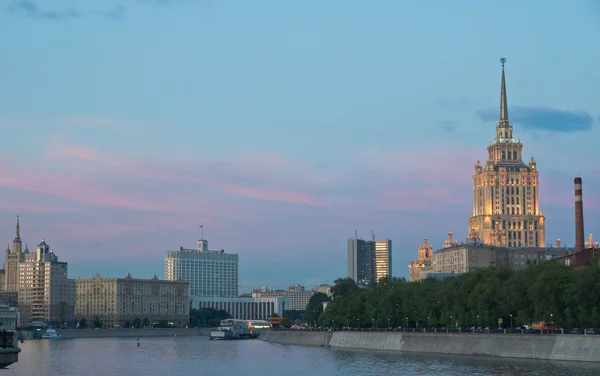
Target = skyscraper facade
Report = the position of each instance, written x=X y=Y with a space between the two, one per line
x=210 y=273
x=369 y=260
x=506 y=208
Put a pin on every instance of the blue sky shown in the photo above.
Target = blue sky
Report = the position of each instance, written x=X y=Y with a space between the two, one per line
x=282 y=126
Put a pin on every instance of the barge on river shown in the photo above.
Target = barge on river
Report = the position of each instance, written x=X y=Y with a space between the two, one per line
x=238 y=329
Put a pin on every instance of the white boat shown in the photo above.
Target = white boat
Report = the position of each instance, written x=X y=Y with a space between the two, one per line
x=51 y=334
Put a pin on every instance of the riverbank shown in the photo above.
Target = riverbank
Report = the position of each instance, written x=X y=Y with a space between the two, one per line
x=543 y=347
x=133 y=333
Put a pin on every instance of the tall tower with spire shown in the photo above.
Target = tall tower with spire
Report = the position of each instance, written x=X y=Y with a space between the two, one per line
x=17 y=244
x=505 y=191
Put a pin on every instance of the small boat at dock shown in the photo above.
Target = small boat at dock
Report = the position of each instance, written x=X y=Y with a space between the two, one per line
x=51 y=334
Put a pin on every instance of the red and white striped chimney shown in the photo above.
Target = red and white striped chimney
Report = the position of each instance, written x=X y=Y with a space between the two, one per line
x=579 y=231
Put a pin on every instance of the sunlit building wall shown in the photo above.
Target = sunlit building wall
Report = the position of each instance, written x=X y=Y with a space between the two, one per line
x=210 y=273
x=506 y=207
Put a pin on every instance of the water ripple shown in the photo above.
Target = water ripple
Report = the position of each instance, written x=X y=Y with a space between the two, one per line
x=179 y=356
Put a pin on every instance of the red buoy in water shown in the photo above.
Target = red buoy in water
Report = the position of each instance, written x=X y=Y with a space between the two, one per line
x=138 y=344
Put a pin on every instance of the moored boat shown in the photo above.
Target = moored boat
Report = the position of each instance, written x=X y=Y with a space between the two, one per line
x=51 y=334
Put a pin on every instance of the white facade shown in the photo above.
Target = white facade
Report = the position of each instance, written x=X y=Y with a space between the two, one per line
x=299 y=297
x=210 y=273
x=245 y=308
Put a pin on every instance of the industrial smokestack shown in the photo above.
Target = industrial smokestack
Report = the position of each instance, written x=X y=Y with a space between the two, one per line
x=579 y=231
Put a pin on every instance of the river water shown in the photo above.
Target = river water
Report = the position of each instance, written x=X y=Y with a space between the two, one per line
x=178 y=356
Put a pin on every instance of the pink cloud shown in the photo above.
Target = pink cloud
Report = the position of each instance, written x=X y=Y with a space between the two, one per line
x=275 y=195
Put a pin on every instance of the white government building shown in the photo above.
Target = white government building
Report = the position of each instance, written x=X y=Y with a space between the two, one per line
x=213 y=278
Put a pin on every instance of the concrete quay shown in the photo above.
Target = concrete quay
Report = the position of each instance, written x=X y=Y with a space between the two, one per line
x=544 y=347
x=131 y=333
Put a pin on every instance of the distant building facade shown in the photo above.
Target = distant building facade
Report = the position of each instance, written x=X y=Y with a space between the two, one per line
x=467 y=257
x=116 y=301
x=12 y=260
x=419 y=268
x=9 y=317
x=324 y=289
x=245 y=308
x=506 y=208
x=581 y=259
x=369 y=260
x=45 y=292
x=299 y=296
x=210 y=273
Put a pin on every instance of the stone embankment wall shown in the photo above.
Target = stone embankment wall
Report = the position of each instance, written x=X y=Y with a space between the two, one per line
x=529 y=346
x=131 y=333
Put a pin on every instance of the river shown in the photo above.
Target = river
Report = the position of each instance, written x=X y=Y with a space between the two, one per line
x=178 y=356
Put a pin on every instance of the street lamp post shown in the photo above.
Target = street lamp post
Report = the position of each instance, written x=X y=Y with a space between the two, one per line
x=388 y=323
x=357 y=323
x=478 y=321
x=373 y=320
x=450 y=324
x=407 y=322
x=428 y=322
x=511 y=321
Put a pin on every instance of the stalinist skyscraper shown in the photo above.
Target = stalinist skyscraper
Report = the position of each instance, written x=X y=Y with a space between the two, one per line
x=506 y=210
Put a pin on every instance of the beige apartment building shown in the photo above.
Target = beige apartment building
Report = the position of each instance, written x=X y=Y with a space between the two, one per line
x=115 y=301
x=418 y=269
x=45 y=293
x=299 y=296
x=506 y=206
x=468 y=257
x=324 y=289
x=464 y=258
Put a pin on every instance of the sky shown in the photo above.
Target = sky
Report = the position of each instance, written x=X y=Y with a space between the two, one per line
x=282 y=126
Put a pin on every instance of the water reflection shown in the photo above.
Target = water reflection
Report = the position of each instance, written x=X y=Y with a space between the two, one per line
x=178 y=356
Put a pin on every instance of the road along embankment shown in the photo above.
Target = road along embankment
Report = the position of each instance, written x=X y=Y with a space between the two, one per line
x=545 y=347
x=136 y=333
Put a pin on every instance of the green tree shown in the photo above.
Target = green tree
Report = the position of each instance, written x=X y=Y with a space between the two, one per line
x=97 y=323
x=540 y=292
x=137 y=323
x=314 y=308
x=145 y=322
x=343 y=287
x=82 y=323
x=127 y=324
x=204 y=317
x=274 y=314
x=285 y=322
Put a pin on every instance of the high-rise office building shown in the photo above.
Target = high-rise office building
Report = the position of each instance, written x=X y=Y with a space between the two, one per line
x=506 y=203
x=210 y=273
x=369 y=260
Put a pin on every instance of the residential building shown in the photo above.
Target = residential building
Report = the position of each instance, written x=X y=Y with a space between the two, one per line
x=467 y=257
x=9 y=317
x=45 y=292
x=324 y=289
x=299 y=297
x=12 y=260
x=245 y=308
x=369 y=260
x=463 y=258
x=115 y=301
x=419 y=268
x=519 y=258
x=210 y=273
x=580 y=259
x=506 y=205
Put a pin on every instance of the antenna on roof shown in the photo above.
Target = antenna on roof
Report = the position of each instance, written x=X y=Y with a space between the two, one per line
x=372 y=235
